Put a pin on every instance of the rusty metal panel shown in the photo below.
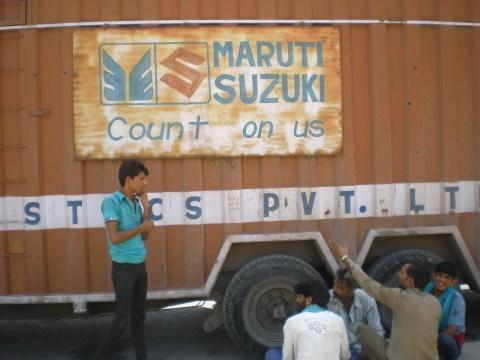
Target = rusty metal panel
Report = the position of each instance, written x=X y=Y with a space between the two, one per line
x=410 y=134
x=13 y=250
x=51 y=11
x=12 y=12
x=174 y=92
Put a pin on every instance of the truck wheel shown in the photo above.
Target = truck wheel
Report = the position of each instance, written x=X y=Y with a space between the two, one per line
x=260 y=297
x=385 y=270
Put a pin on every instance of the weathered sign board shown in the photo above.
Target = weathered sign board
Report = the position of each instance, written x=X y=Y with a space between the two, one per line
x=207 y=91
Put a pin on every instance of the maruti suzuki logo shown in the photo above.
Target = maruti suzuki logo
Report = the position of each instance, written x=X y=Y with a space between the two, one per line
x=195 y=77
x=154 y=73
x=140 y=79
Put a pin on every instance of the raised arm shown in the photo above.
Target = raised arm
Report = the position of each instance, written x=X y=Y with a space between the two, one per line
x=387 y=296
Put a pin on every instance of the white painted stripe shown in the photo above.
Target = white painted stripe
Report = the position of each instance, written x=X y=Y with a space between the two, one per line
x=242 y=22
x=249 y=205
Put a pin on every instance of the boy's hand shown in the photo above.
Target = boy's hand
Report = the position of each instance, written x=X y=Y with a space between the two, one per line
x=143 y=197
x=147 y=225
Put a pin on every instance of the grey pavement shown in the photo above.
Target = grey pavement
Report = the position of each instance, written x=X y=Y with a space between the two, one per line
x=171 y=334
x=471 y=349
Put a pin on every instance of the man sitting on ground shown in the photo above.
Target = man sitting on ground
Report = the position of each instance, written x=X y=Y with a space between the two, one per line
x=314 y=333
x=415 y=314
x=452 y=323
x=355 y=307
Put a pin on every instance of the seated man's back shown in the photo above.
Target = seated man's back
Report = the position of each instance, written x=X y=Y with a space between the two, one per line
x=315 y=333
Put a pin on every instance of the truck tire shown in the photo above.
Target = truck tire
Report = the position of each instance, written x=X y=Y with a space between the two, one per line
x=385 y=270
x=260 y=297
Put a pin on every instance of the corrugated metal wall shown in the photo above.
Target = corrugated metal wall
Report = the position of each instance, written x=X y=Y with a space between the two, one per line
x=411 y=107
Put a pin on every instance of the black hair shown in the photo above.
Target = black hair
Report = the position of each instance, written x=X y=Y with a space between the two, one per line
x=344 y=277
x=315 y=289
x=130 y=168
x=446 y=267
x=420 y=274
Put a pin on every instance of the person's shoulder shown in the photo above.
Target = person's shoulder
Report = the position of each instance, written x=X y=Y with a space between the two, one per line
x=112 y=198
x=424 y=295
x=293 y=319
x=295 y=316
x=459 y=299
x=459 y=295
x=362 y=295
x=329 y=314
x=363 y=299
x=110 y=202
x=432 y=302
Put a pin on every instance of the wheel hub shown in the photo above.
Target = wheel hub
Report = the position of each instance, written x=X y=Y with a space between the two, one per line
x=266 y=308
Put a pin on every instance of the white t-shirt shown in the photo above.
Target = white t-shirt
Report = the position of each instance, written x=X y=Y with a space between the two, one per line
x=315 y=333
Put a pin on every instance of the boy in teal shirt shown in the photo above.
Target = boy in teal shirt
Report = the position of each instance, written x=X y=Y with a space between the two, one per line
x=127 y=228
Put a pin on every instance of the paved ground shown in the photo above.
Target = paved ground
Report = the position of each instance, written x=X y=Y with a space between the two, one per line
x=172 y=334
x=471 y=349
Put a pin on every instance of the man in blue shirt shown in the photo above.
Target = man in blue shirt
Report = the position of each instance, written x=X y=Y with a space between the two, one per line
x=355 y=307
x=127 y=228
x=451 y=329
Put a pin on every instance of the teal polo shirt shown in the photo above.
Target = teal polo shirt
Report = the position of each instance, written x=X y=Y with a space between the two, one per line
x=128 y=215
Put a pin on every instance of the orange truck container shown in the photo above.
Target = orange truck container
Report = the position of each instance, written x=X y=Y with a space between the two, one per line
x=268 y=127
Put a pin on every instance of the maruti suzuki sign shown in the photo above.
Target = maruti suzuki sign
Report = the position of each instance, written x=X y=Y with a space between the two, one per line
x=207 y=91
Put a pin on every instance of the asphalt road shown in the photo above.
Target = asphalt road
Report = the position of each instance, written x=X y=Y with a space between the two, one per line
x=171 y=334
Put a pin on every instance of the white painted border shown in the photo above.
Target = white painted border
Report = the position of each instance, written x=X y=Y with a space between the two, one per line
x=242 y=22
x=250 y=205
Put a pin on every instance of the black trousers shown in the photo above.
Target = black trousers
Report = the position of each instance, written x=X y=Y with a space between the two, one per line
x=130 y=283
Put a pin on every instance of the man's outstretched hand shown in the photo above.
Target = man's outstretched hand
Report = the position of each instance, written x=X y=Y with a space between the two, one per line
x=338 y=249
